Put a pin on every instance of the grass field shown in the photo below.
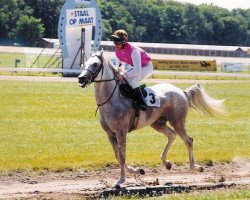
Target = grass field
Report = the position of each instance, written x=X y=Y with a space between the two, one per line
x=27 y=61
x=46 y=125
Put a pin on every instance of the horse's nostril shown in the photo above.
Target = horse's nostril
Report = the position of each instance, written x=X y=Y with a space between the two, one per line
x=82 y=80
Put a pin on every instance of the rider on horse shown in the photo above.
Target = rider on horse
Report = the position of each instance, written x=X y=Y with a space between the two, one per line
x=138 y=59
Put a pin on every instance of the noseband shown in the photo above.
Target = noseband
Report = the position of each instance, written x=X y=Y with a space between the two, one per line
x=93 y=75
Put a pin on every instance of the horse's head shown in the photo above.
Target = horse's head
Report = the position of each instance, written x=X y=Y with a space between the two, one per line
x=92 y=68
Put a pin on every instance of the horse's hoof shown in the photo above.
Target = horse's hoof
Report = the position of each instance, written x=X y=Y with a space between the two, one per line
x=200 y=169
x=117 y=186
x=142 y=172
x=168 y=165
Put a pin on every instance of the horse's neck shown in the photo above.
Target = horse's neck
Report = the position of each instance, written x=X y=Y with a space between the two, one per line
x=104 y=90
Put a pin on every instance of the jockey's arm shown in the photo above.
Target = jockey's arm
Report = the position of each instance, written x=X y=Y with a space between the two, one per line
x=136 y=69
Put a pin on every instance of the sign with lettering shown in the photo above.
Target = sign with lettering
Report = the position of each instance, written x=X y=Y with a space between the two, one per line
x=231 y=67
x=82 y=1
x=81 y=17
x=200 y=65
x=79 y=32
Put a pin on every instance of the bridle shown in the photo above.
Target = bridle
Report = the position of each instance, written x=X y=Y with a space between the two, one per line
x=93 y=75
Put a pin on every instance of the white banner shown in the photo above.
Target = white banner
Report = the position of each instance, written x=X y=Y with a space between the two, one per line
x=232 y=67
x=81 y=17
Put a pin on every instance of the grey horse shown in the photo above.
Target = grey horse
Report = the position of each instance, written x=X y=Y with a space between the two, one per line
x=116 y=113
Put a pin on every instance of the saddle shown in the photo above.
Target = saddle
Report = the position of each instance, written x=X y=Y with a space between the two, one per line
x=127 y=91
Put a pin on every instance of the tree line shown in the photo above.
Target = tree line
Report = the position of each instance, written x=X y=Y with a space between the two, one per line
x=159 y=21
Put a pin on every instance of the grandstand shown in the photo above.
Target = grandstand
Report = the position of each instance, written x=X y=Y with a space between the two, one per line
x=177 y=49
x=187 y=49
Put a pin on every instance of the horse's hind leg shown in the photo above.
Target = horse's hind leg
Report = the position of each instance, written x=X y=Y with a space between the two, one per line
x=179 y=128
x=161 y=126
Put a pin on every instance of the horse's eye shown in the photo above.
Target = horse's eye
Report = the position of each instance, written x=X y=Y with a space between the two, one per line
x=95 y=64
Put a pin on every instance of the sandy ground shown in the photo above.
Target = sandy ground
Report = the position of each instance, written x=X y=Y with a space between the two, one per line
x=79 y=184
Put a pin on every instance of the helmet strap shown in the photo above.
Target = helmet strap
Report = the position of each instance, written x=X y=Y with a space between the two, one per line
x=123 y=44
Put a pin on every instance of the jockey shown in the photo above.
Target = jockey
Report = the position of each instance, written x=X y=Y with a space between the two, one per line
x=140 y=63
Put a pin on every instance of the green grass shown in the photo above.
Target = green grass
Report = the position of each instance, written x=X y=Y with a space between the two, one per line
x=212 y=195
x=53 y=126
x=27 y=61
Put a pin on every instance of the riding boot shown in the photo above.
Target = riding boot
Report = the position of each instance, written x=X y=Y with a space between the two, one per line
x=139 y=99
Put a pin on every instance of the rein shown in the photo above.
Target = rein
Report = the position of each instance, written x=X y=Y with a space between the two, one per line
x=99 y=105
x=103 y=80
x=134 y=123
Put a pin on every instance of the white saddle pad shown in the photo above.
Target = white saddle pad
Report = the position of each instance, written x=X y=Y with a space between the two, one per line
x=150 y=97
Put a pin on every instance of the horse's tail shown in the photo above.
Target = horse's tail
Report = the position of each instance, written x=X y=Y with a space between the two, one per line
x=199 y=100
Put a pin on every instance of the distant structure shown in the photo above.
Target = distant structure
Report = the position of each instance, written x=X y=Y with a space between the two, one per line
x=187 y=49
x=80 y=22
x=50 y=43
x=184 y=49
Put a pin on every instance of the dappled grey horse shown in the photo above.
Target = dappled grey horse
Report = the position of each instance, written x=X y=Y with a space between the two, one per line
x=117 y=114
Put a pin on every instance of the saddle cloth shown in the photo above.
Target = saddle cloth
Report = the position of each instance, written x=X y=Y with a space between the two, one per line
x=150 y=97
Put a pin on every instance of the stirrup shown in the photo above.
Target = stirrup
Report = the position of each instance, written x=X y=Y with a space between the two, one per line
x=139 y=105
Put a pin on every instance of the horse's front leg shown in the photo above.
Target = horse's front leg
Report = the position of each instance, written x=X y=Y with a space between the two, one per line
x=121 y=155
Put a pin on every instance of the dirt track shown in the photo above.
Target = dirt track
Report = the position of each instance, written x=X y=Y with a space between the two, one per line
x=72 y=184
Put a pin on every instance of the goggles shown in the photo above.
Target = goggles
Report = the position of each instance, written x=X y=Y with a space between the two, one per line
x=117 y=40
x=117 y=43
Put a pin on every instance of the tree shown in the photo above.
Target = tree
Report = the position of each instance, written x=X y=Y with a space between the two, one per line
x=48 y=11
x=10 y=12
x=171 y=24
x=235 y=31
x=245 y=16
x=115 y=16
x=193 y=24
x=145 y=21
x=28 y=31
x=213 y=23
x=151 y=16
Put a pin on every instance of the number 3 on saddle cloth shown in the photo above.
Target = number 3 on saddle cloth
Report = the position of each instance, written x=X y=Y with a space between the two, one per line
x=149 y=95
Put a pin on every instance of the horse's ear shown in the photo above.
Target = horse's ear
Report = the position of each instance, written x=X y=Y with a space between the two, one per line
x=111 y=66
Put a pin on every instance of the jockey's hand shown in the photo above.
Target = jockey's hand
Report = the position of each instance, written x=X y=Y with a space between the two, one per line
x=119 y=77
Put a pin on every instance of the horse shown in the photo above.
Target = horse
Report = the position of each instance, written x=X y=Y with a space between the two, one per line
x=116 y=112
x=204 y=64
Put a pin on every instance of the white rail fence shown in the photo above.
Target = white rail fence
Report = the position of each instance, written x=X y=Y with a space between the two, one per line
x=156 y=72
x=42 y=70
